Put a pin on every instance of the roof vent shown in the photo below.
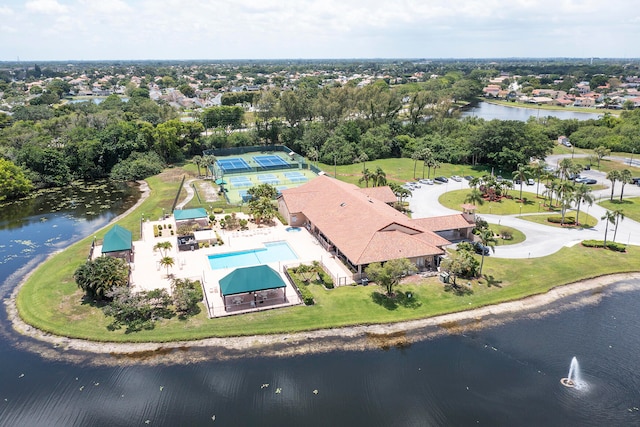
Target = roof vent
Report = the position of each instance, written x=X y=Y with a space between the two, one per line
x=343 y=204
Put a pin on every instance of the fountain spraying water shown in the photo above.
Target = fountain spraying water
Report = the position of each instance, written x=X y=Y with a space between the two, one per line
x=574 y=378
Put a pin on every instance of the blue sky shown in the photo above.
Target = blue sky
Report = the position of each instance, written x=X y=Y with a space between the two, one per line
x=272 y=29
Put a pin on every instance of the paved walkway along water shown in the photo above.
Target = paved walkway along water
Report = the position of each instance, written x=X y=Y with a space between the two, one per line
x=541 y=240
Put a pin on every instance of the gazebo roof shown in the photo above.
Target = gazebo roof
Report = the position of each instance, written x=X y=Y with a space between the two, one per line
x=117 y=239
x=250 y=279
x=187 y=214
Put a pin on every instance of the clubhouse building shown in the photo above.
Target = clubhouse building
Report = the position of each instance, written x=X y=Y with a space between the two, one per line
x=360 y=225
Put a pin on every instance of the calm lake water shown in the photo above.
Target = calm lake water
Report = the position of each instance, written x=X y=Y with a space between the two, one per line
x=502 y=375
x=487 y=111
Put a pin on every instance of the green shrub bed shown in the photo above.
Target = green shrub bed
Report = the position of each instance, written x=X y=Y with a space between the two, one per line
x=618 y=247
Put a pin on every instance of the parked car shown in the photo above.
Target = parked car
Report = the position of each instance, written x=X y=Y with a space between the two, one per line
x=499 y=178
x=456 y=178
x=441 y=179
x=468 y=177
x=416 y=185
x=427 y=181
x=530 y=181
x=587 y=167
x=578 y=179
x=517 y=181
x=480 y=248
x=635 y=180
x=589 y=181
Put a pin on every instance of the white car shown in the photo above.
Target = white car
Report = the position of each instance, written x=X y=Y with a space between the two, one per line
x=456 y=178
x=427 y=181
x=530 y=181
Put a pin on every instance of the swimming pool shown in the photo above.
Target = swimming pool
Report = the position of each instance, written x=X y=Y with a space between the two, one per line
x=272 y=252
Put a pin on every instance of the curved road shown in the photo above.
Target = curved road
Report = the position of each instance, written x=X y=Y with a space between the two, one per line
x=541 y=240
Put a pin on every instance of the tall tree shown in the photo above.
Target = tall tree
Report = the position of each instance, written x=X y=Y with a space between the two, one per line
x=600 y=153
x=167 y=262
x=626 y=177
x=379 y=177
x=609 y=218
x=613 y=176
x=13 y=181
x=389 y=274
x=474 y=197
x=582 y=194
x=487 y=239
x=521 y=174
x=366 y=177
x=96 y=278
x=619 y=214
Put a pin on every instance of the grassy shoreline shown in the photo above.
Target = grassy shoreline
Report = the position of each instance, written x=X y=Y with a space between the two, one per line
x=49 y=300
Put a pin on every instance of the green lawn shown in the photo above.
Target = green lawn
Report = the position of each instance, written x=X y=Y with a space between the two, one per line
x=586 y=221
x=506 y=206
x=517 y=235
x=399 y=170
x=630 y=207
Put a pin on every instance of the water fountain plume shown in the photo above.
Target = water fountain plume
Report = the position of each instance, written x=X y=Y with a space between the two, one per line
x=574 y=377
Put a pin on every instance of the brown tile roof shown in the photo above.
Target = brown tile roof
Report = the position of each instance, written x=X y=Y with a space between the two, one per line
x=442 y=223
x=363 y=228
x=384 y=194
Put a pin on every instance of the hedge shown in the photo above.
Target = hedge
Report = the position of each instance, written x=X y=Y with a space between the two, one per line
x=618 y=247
x=558 y=219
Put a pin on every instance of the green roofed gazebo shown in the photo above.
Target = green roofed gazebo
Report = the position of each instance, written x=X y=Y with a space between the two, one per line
x=118 y=243
x=188 y=214
x=251 y=282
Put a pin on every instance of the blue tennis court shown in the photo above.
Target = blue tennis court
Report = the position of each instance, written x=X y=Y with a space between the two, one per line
x=240 y=181
x=268 y=178
x=244 y=195
x=295 y=176
x=233 y=164
x=270 y=161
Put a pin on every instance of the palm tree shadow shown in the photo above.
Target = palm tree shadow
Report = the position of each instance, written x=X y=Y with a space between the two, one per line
x=492 y=281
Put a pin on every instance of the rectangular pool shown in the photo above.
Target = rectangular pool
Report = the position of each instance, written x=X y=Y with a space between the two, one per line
x=272 y=252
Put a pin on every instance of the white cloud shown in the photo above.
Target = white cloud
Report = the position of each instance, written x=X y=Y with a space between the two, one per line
x=47 y=7
x=138 y=29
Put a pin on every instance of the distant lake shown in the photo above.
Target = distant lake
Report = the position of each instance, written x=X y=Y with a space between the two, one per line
x=488 y=111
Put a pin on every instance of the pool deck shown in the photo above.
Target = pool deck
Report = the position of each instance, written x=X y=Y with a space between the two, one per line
x=148 y=274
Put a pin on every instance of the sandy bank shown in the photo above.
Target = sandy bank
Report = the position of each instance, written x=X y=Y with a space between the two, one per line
x=355 y=338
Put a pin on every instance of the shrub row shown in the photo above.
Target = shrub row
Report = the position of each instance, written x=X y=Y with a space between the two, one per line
x=325 y=278
x=558 y=219
x=618 y=247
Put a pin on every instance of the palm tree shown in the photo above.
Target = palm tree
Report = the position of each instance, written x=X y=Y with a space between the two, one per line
x=551 y=190
x=625 y=178
x=581 y=194
x=608 y=217
x=521 y=174
x=475 y=182
x=163 y=247
x=538 y=170
x=564 y=167
x=487 y=239
x=427 y=157
x=435 y=165
x=379 y=177
x=474 y=197
x=197 y=160
x=417 y=155
x=613 y=176
x=619 y=214
x=366 y=177
x=167 y=262
x=565 y=195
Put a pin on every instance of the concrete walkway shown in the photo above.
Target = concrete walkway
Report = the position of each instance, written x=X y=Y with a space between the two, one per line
x=541 y=240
